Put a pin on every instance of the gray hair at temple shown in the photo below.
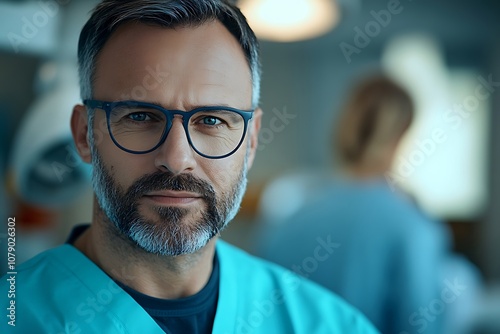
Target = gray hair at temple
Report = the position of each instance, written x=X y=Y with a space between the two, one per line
x=109 y=14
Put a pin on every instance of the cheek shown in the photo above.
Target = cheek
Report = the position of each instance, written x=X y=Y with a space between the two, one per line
x=125 y=168
x=224 y=173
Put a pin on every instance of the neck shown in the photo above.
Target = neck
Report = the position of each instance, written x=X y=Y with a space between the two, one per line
x=166 y=277
x=363 y=173
x=370 y=168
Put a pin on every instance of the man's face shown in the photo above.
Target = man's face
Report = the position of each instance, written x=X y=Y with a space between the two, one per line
x=171 y=201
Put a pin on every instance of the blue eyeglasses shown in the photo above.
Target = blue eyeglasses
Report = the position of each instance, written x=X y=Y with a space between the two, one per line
x=214 y=132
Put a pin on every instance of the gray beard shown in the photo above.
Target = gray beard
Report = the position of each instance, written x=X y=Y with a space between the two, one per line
x=171 y=234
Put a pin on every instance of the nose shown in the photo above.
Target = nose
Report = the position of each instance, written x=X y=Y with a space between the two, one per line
x=175 y=154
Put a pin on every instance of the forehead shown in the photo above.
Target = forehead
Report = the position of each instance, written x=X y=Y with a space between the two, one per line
x=175 y=66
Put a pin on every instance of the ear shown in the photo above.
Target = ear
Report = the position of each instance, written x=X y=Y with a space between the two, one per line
x=254 y=131
x=79 y=129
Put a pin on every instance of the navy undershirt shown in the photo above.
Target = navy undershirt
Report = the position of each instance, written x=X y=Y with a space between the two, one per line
x=193 y=314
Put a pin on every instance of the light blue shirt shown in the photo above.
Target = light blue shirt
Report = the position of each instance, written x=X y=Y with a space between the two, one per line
x=388 y=258
x=62 y=291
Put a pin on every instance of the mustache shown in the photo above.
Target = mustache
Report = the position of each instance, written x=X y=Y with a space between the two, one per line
x=162 y=180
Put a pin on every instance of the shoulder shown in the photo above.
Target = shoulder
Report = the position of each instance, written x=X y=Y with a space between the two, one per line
x=41 y=265
x=61 y=291
x=291 y=299
x=34 y=284
x=41 y=275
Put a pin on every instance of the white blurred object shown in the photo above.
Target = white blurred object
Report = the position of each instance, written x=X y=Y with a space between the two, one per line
x=280 y=20
x=286 y=195
x=448 y=140
x=46 y=167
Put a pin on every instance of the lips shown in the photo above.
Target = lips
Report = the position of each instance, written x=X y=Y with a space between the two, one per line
x=169 y=197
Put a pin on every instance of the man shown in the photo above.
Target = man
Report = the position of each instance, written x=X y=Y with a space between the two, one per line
x=169 y=122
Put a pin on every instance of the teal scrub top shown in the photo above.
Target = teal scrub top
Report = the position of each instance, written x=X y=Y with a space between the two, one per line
x=62 y=291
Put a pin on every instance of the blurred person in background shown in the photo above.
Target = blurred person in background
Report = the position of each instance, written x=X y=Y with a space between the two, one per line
x=367 y=241
x=169 y=123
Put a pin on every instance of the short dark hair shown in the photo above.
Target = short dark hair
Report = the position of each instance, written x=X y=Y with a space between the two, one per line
x=110 y=14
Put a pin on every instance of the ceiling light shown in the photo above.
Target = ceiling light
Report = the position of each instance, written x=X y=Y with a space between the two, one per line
x=287 y=21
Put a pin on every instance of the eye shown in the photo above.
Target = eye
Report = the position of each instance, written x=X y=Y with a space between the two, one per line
x=139 y=117
x=210 y=120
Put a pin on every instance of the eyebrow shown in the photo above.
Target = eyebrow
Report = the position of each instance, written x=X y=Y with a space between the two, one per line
x=191 y=107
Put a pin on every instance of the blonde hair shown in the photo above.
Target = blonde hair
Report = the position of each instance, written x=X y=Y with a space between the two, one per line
x=376 y=115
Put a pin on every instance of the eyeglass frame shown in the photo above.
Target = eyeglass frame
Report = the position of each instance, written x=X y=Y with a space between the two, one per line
x=107 y=107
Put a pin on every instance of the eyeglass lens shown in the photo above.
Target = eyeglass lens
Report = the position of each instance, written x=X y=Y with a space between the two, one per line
x=213 y=132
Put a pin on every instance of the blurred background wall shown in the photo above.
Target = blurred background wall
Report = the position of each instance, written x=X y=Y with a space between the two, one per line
x=440 y=51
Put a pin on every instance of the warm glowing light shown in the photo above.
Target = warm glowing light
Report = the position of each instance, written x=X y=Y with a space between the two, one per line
x=443 y=159
x=287 y=21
